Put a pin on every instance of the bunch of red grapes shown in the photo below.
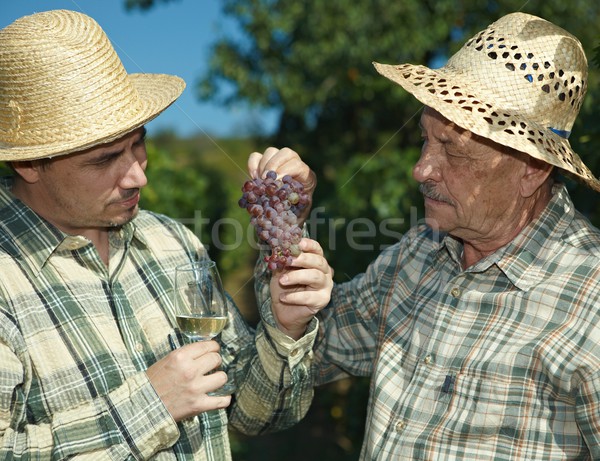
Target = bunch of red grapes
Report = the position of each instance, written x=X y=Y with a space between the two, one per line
x=274 y=205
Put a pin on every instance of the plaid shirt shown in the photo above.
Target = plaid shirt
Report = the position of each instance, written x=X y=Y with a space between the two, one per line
x=76 y=338
x=500 y=361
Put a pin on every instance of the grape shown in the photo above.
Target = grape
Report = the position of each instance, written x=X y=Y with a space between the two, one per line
x=274 y=205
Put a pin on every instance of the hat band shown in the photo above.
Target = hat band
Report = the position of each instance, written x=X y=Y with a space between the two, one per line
x=562 y=133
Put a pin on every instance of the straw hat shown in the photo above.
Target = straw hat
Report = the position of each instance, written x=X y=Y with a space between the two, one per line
x=520 y=83
x=64 y=89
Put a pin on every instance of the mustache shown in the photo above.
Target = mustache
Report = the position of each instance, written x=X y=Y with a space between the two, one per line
x=429 y=190
x=129 y=193
x=126 y=195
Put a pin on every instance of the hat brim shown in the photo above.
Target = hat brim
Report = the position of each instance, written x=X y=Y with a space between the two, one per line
x=156 y=93
x=461 y=102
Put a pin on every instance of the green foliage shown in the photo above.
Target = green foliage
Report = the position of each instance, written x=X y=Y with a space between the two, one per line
x=358 y=131
x=176 y=181
x=198 y=182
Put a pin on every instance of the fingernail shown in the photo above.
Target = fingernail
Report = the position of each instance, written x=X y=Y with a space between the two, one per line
x=284 y=279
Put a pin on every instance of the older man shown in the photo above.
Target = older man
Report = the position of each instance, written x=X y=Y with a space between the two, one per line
x=91 y=362
x=481 y=330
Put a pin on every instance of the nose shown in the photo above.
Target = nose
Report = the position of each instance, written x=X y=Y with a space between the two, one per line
x=427 y=167
x=135 y=176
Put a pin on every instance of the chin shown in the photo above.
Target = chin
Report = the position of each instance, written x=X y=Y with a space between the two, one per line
x=434 y=222
x=121 y=221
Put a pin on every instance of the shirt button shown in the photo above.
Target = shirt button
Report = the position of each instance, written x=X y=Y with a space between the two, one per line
x=455 y=292
x=294 y=353
x=139 y=347
x=73 y=245
x=400 y=425
x=427 y=359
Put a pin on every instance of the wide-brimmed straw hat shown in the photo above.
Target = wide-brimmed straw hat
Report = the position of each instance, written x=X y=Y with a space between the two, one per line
x=63 y=88
x=520 y=82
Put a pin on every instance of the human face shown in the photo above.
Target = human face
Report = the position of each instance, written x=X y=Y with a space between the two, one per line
x=470 y=185
x=96 y=189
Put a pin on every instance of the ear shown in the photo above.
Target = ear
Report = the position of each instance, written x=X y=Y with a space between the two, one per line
x=536 y=174
x=27 y=170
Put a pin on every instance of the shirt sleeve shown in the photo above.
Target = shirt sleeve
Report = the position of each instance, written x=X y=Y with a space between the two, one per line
x=346 y=343
x=275 y=388
x=129 y=421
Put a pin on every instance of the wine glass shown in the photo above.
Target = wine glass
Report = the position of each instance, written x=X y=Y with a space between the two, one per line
x=201 y=306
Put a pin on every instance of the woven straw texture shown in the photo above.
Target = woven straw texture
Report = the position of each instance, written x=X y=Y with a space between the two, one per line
x=64 y=89
x=518 y=83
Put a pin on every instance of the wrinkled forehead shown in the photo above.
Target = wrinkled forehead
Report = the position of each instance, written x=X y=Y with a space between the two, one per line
x=431 y=118
x=441 y=127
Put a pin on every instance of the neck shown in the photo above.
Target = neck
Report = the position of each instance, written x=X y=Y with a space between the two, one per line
x=476 y=249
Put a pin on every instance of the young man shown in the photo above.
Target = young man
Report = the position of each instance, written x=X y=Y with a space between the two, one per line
x=91 y=363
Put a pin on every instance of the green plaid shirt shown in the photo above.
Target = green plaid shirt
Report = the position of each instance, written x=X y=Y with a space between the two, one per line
x=500 y=361
x=76 y=338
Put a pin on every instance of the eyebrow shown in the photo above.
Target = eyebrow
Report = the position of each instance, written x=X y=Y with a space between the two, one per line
x=114 y=153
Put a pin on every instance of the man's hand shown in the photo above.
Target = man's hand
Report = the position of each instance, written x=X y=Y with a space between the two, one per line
x=302 y=290
x=284 y=161
x=181 y=381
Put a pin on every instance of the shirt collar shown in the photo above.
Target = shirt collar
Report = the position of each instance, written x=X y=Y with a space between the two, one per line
x=28 y=237
x=523 y=259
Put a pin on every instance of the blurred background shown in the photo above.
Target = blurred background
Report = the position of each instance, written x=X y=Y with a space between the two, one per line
x=299 y=74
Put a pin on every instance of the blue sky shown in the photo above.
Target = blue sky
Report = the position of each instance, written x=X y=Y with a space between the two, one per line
x=172 y=38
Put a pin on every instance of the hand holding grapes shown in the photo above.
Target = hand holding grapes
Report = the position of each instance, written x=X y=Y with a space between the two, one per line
x=301 y=290
x=288 y=162
x=301 y=285
x=274 y=205
x=278 y=198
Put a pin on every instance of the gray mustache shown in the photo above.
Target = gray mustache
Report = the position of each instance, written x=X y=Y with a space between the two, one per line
x=429 y=191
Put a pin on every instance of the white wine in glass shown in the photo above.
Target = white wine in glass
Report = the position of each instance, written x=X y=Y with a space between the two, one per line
x=201 y=305
x=197 y=327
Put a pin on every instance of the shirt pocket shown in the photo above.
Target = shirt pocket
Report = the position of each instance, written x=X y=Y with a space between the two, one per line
x=157 y=329
x=493 y=408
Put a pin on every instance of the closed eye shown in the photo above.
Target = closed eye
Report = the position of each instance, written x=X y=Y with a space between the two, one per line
x=105 y=158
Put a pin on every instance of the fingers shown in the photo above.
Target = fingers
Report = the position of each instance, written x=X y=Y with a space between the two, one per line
x=295 y=305
x=259 y=164
x=310 y=280
x=305 y=280
x=315 y=300
x=253 y=163
x=311 y=256
x=183 y=378
x=205 y=355
x=200 y=348
x=303 y=265
x=279 y=160
x=311 y=246
x=283 y=161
